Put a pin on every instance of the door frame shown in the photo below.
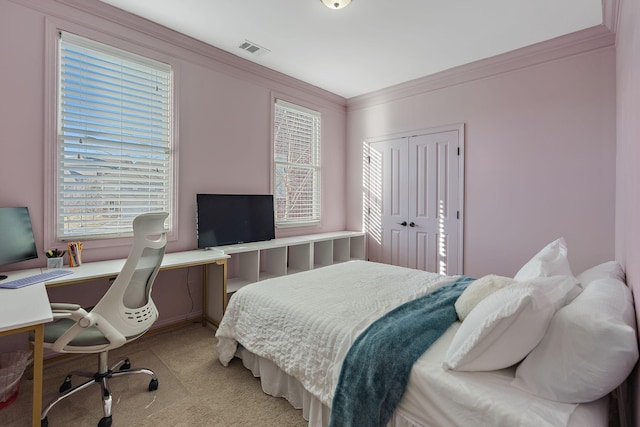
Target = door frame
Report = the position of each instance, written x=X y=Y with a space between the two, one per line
x=366 y=179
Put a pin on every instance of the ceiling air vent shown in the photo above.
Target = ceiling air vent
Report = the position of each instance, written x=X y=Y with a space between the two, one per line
x=253 y=48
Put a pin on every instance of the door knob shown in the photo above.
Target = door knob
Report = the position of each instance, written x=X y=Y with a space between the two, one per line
x=403 y=223
x=412 y=224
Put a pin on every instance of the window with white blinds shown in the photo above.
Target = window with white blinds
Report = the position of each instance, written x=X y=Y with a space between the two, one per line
x=114 y=157
x=296 y=165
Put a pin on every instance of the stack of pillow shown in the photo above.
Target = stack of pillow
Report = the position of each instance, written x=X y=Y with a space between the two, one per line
x=573 y=337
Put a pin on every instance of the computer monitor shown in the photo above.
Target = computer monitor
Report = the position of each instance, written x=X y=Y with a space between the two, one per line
x=16 y=236
x=227 y=219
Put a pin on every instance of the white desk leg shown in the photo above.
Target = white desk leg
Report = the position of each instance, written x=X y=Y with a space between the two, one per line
x=220 y=281
x=223 y=263
x=205 y=317
x=37 y=374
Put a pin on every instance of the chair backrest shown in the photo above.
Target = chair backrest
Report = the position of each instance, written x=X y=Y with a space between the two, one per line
x=127 y=305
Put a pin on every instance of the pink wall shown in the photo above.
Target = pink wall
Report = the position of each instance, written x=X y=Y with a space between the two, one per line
x=539 y=153
x=628 y=154
x=224 y=131
x=540 y=144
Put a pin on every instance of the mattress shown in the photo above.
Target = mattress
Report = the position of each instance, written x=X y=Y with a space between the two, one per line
x=439 y=398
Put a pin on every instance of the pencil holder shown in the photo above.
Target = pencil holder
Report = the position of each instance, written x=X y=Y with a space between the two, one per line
x=55 y=262
x=75 y=253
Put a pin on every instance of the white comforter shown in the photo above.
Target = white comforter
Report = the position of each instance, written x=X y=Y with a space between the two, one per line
x=295 y=321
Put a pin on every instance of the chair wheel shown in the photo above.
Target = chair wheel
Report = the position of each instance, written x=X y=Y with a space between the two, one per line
x=105 y=422
x=153 y=385
x=125 y=365
x=44 y=422
x=66 y=385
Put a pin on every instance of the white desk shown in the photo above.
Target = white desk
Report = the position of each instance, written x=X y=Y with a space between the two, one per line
x=24 y=310
x=27 y=309
x=110 y=269
x=24 y=307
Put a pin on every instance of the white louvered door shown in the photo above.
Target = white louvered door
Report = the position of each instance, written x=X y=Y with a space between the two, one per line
x=415 y=200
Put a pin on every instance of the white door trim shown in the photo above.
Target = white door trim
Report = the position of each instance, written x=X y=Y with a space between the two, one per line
x=460 y=128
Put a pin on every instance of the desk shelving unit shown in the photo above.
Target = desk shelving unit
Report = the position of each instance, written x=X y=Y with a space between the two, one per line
x=253 y=262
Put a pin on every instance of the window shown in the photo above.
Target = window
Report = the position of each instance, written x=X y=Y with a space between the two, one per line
x=114 y=146
x=296 y=138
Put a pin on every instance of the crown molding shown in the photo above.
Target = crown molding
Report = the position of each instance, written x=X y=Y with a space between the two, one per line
x=202 y=53
x=190 y=48
x=561 y=47
x=611 y=14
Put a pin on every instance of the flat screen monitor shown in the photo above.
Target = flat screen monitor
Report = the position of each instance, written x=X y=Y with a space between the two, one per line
x=16 y=236
x=228 y=219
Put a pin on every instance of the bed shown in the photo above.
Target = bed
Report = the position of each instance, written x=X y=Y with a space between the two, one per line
x=296 y=332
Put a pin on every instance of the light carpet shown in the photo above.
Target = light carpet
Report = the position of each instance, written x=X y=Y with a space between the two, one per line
x=194 y=389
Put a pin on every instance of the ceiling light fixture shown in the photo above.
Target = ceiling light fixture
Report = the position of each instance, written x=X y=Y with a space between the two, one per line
x=336 y=4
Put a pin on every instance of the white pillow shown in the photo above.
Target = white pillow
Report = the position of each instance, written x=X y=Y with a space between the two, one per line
x=607 y=270
x=589 y=349
x=504 y=327
x=550 y=261
x=479 y=290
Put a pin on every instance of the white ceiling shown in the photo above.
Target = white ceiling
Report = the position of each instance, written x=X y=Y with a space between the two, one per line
x=371 y=44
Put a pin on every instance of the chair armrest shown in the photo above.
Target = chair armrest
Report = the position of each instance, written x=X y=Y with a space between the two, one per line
x=64 y=306
x=83 y=319
x=73 y=311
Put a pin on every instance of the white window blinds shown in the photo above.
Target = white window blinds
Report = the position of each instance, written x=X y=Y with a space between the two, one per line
x=114 y=139
x=297 y=164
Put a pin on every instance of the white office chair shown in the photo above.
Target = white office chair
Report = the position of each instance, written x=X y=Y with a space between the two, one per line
x=124 y=313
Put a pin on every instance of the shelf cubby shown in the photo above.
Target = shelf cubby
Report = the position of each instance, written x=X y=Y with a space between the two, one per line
x=322 y=253
x=253 y=262
x=273 y=262
x=299 y=258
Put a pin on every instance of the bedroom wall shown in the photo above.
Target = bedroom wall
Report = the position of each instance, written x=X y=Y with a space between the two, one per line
x=224 y=132
x=628 y=153
x=539 y=152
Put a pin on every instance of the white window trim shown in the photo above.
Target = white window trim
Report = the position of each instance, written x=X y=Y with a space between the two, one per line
x=301 y=105
x=52 y=28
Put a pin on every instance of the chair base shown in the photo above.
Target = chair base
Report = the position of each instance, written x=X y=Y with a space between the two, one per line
x=105 y=372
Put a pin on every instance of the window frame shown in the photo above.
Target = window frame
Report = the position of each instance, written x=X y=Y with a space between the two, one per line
x=52 y=93
x=306 y=108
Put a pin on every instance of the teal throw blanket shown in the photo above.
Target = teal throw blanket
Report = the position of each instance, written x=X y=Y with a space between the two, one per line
x=376 y=370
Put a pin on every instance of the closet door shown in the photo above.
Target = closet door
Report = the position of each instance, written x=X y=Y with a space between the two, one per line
x=433 y=202
x=389 y=187
x=415 y=197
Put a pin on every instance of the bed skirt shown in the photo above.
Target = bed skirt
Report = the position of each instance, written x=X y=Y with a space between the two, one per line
x=277 y=383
